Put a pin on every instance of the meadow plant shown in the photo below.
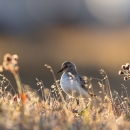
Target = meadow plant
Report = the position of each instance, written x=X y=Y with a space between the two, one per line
x=10 y=63
x=125 y=71
x=55 y=110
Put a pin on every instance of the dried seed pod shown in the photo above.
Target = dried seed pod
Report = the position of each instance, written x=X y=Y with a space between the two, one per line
x=127 y=66
x=120 y=72
x=125 y=78
x=1 y=68
x=123 y=67
x=7 y=57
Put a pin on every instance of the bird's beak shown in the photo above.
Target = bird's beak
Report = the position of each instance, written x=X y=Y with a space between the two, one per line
x=62 y=69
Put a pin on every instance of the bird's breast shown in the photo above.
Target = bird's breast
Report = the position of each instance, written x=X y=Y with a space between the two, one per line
x=71 y=86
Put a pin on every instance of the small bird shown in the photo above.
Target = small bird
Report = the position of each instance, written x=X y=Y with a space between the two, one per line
x=72 y=83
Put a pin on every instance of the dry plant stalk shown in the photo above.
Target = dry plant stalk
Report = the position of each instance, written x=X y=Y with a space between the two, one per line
x=50 y=113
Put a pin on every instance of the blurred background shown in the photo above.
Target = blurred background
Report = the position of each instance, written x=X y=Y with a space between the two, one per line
x=94 y=34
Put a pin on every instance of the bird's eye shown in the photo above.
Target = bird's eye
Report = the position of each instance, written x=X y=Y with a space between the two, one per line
x=65 y=66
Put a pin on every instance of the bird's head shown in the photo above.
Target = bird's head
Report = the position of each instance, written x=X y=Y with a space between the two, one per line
x=67 y=66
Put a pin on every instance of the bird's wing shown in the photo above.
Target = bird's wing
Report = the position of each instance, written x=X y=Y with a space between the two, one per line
x=84 y=85
x=82 y=82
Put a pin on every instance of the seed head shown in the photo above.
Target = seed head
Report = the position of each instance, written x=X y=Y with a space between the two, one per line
x=125 y=78
x=121 y=72
x=123 y=67
x=127 y=66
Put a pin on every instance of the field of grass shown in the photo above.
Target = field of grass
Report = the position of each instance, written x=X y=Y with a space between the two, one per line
x=24 y=109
